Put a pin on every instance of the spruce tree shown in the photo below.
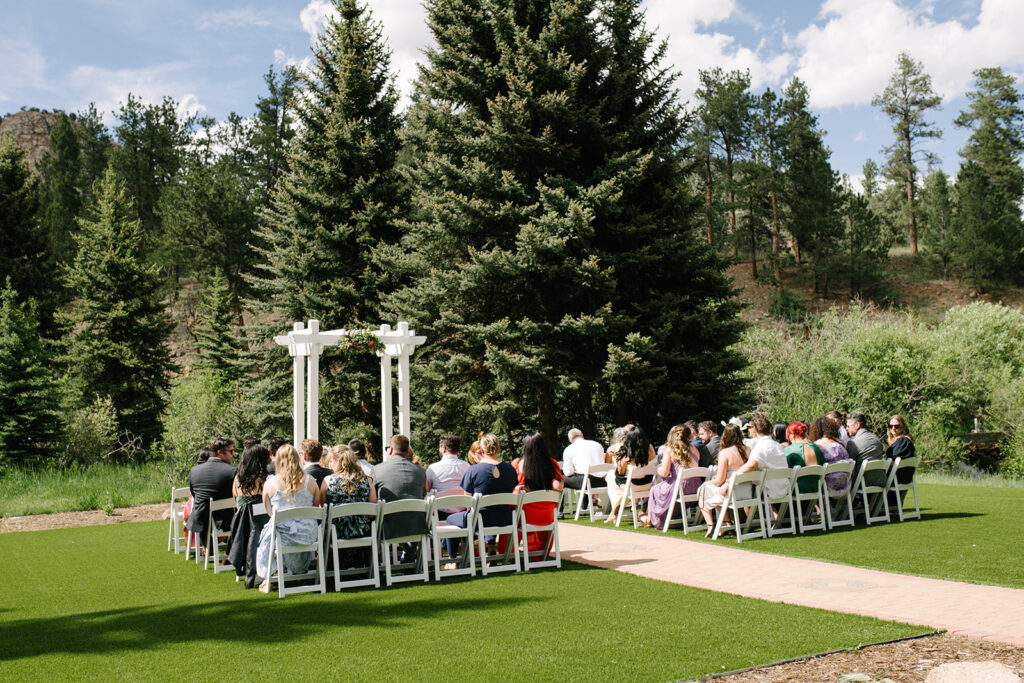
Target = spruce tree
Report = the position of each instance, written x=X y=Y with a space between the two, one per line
x=28 y=395
x=552 y=260
x=937 y=210
x=986 y=227
x=23 y=249
x=218 y=338
x=996 y=122
x=339 y=201
x=61 y=171
x=116 y=329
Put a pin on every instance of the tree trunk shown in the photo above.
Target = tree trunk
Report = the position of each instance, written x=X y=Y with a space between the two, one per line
x=776 y=233
x=546 y=413
x=910 y=195
x=753 y=237
x=707 y=179
x=732 y=200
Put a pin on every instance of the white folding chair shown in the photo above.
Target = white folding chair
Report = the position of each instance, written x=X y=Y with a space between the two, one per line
x=806 y=503
x=550 y=541
x=278 y=550
x=499 y=561
x=589 y=493
x=568 y=495
x=872 y=496
x=898 y=489
x=682 y=499
x=258 y=510
x=368 y=575
x=440 y=531
x=783 y=521
x=631 y=494
x=176 y=520
x=834 y=511
x=740 y=496
x=394 y=507
x=218 y=536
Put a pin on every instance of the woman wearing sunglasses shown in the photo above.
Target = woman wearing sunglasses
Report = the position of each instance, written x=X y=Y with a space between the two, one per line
x=901 y=445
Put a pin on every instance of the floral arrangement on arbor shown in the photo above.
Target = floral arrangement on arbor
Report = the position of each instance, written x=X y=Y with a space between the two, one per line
x=357 y=343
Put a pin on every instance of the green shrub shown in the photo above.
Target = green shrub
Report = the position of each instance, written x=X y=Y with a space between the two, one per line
x=90 y=434
x=787 y=306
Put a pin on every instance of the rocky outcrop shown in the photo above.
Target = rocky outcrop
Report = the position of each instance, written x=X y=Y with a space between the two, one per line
x=31 y=132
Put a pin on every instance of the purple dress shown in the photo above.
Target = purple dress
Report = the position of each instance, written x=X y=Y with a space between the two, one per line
x=836 y=484
x=660 y=504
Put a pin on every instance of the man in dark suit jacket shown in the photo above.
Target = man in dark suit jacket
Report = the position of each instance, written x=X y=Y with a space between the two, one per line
x=312 y=451
x=208 y=481
x=712 y=442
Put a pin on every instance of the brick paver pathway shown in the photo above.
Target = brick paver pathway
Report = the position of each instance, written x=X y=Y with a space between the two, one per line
x=988 y=612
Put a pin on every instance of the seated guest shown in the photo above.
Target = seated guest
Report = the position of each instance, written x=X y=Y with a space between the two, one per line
x=537 y=471
x=901 y=445
x=637 y=451
x=580 y=454
x=825 y=434
x=697 y=441
x=202 y=456
x=708 y=432
x=246 y=527
x=840 y=421
x=400 y=478
x=779 y=434
x=863 y=447
x=312 y=451
x=766 y=454
x=330 y=457
x=288 y=488
x=446 y=474
x=731 y=456
x=274 y=445
x=801 y=453
x=476 y=453
x=680 y=454
x=358 y=447
x=348 y=484
x=211 y=480
x=490 y=475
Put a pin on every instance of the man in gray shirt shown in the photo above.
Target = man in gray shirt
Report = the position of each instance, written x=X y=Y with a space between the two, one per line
x=863 y=447
x=712 y=442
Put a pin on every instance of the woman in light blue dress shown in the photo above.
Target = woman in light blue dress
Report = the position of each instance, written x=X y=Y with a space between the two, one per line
x=288 y=488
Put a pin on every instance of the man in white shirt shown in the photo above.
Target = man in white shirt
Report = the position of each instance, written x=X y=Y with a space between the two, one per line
x=766 y=454
x=577 y=456
x=446 y=474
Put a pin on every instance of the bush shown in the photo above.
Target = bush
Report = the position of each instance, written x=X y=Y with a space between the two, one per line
x=90 y=434
x=787 y=306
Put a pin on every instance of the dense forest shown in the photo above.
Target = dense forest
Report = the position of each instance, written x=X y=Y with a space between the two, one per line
x=545 y=212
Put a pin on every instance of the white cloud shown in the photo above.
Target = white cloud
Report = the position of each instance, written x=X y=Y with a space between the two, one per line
x=232 y=19
x=25 y=66
x=109 y=88
x=861 y=136
x=189 y=105
x=847 y=56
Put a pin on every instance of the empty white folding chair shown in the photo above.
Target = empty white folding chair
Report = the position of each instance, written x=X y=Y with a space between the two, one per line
x=440 y=531
x=872 y=495
x=406 y=506
x=176 y=520
x=898 y=489
x=369 y=574
x=808 y=503
x=839 y=510
x=502 y=560
x=631 y=494
x=217 y=537
x=777 y=490
x=744 y=492
x=549 y=532
x=691 y=519
x=589 y=493
x=278 y=550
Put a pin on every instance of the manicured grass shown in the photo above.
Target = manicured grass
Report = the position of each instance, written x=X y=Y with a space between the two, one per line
x=966 y=533
x=25 y=492
x=109 y=602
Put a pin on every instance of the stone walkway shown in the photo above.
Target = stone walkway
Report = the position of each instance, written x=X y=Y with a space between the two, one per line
x=987 y=612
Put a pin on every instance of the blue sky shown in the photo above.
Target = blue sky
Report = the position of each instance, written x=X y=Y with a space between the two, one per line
x=211 y=56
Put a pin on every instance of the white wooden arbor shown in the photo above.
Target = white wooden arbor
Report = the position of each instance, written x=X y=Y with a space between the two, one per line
x=306 y=342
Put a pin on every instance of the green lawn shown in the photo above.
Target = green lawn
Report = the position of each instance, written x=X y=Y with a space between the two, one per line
x=25 y=492
x=966 y=533
x=106 y=603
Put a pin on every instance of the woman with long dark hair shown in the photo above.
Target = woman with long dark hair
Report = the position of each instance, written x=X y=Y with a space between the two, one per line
x=637 y=451
x=245 y=526
x=538 y=472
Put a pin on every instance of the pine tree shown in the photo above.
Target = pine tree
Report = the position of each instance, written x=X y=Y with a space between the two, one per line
x=274 y=129
x=767 y=139
x=996 y=122
x=23 y=252
x=61 y=171
x=551 y=261
x=218 y=337
x=906 y=100
x=863 y=245
x=986 y=227
x=28 y=394
x=937 y=211
x=95 y=145
x=339 y=201
x=116 y=330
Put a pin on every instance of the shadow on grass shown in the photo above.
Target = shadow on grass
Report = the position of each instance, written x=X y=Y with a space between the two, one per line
x=228 y=621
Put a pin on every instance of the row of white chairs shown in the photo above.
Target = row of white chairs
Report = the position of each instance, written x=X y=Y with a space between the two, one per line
x=772 y=515
x=379 y=546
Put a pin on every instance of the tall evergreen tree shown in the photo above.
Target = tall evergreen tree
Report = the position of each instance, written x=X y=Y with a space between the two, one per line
x=218 y=337
x=937 y=211
x=906 y=100
x=863 y=244
x=95 y=144
x=273 y=131
x=23 y=249
x=551 y=261
x=767 y=139
x=996 y=122
x=28 y=394
x=339 y=201
x=61 y=171
x=116 y=330
x=986 y=226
